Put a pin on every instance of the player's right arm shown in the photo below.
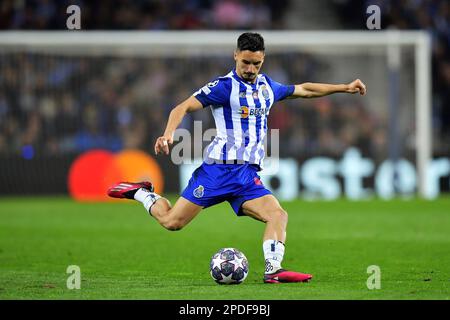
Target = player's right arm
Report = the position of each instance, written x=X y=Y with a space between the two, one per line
x=176 y=116
x=212 y=94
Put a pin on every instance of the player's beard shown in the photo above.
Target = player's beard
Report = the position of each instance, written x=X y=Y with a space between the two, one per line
x=249 y=76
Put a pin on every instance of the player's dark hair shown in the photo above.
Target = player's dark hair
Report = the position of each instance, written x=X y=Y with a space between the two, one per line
x=250 y=41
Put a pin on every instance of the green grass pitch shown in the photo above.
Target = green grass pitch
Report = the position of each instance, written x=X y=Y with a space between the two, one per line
x=124 y=254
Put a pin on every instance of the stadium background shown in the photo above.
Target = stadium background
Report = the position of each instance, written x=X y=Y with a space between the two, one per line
x=55 y=108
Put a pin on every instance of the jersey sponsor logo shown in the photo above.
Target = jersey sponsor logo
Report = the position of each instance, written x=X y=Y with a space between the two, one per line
x=245 y=112
x=199 y=191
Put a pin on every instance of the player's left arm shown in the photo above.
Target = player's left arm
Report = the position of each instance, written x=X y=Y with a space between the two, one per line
x=315 y=90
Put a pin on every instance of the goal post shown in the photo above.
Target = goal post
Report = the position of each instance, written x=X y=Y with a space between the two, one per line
x=187 y=44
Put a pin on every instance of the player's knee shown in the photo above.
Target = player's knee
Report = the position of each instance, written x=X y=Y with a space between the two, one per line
x=173 y=224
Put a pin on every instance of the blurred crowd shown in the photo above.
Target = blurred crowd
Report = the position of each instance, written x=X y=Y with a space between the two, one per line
x=430 y=15
x=58 y=105
x=145 y=14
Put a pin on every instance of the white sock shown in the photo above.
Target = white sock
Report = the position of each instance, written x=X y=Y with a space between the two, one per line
x=273 y=254
x=147 y=198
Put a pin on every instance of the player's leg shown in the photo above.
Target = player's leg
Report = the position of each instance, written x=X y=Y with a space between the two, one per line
x=160 y=208
x=176 y=217
x=267 y=209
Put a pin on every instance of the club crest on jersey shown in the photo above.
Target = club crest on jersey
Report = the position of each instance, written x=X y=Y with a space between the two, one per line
x=199 y=191
x=265 y=92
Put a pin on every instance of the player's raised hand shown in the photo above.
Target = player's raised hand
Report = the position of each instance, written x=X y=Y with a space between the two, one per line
x=357 y=86
x=162 y=144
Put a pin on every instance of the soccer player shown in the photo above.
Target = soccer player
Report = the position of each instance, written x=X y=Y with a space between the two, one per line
x=240 y=102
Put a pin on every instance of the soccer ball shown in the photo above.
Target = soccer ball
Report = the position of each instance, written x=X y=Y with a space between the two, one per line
x=228 y=266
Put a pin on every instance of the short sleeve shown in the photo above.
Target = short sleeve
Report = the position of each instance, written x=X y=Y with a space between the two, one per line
x=280 y=91
x=216 y=92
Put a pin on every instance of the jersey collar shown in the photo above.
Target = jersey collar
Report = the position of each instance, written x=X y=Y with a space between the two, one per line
x=235 y=75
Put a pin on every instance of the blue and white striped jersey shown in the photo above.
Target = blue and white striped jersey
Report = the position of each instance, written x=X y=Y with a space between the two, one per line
x=240 y=110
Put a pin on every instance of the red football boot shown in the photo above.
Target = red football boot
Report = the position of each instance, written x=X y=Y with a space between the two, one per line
x=285 y=276
x=128 y=189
